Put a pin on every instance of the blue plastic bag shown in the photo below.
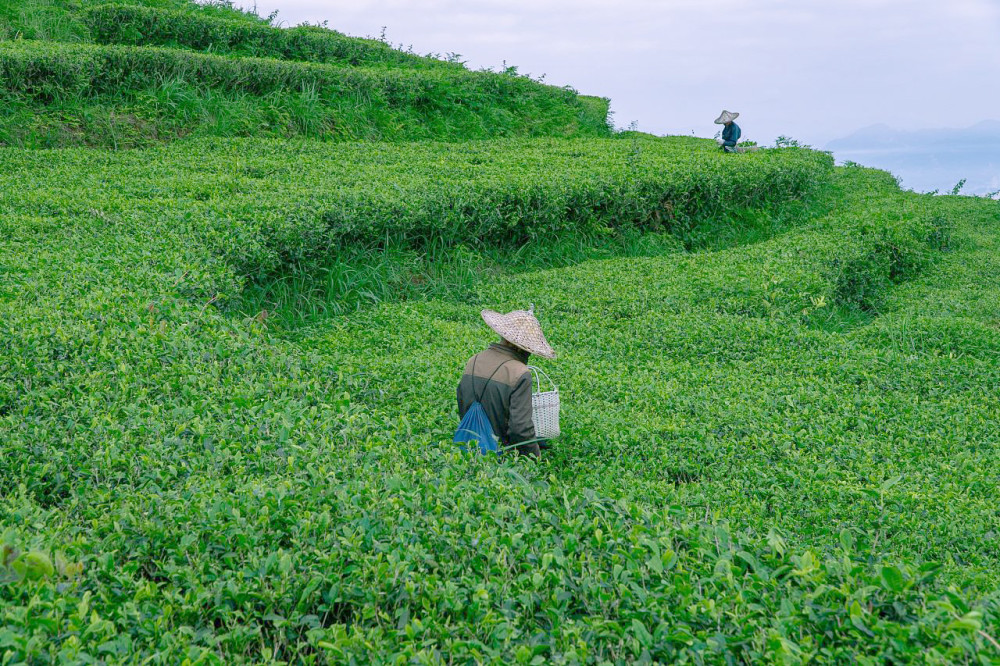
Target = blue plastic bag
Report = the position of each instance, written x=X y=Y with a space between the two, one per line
x=475 y=426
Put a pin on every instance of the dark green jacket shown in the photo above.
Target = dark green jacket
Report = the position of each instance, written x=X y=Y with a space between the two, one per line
x=506 y=398
x=730 y=134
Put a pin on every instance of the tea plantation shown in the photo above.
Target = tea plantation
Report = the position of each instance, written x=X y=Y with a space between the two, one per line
x=89 y=73
x=229 y=362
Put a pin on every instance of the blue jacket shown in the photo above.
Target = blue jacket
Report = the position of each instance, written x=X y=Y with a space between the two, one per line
x=730 y=134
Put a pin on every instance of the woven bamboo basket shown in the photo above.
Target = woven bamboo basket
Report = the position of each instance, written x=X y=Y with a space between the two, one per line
x=544 y=406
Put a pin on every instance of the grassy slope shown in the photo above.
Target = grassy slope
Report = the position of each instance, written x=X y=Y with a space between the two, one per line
x=59 y=90
x=231 y=492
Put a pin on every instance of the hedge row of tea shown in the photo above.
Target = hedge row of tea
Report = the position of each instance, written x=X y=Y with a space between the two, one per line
x=65 y=20
x=735 y=484
x=149 y=26
x=49 y=72
x=170 y=90
x=128 y=91
x=261 y=205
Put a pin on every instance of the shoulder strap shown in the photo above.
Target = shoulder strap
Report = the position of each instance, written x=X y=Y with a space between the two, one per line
x=479 y=398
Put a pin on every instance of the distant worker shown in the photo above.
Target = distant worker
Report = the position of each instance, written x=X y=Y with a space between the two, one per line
x=730 y=133
x=499 y=379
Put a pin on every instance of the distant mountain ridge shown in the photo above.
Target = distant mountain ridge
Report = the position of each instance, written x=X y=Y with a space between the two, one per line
x=883 y=137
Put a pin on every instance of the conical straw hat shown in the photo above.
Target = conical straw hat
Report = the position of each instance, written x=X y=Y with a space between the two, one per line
x=521 y=329
x=726 y=117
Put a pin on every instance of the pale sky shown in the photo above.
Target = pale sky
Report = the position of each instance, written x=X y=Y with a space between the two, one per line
x=813 y=70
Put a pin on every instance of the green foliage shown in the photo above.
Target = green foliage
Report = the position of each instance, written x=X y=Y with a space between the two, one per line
x=40 y=19
x=776 y=447
x=734 y=483
x=500 y=207
x=787 y=142
x=148 y=26
x=595 y=113
x=24 y=568
x=348 y=103
x=65 y=20
x=322 y=199
x=57 y=94
x=49 y=72
x=890 y=250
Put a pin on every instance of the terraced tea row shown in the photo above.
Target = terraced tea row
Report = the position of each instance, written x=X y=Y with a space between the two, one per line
x=149 y=26
x=263 y=205
x=152 y=90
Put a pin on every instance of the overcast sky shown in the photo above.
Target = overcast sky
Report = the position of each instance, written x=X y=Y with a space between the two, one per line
x=813 y=70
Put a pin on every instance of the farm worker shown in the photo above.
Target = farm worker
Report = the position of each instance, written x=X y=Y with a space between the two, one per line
x=500 y=379
x=731 y=131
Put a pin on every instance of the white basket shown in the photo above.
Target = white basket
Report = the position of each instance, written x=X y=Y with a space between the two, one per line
x=544 y=406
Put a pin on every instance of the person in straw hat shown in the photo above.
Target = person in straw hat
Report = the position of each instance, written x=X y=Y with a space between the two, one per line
x=731 y=131
x=500 y=380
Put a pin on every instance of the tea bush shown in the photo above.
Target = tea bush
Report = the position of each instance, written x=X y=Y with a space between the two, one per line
x=40 y=19
x=65 y=20
x=48 y=71
x=145 y=82
x=150 y=90
x=261 y=205
x=150 y=26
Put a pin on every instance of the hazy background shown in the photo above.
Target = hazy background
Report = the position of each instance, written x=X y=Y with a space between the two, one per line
x=813 y=70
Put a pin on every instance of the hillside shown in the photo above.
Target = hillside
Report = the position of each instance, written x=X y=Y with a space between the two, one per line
x=227 y=383
x=121 y=76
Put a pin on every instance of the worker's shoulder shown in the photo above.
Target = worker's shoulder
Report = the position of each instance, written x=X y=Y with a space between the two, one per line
x=516 y=369
x=494 y=363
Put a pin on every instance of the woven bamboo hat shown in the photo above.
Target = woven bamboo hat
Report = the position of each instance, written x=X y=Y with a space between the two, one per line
x=521 y=329
x=726 y=117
